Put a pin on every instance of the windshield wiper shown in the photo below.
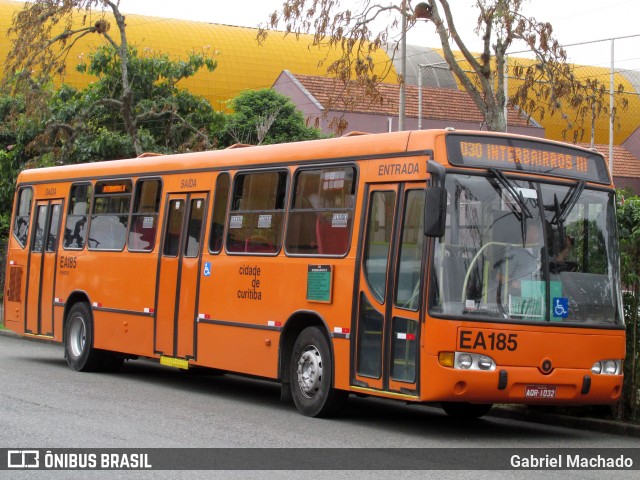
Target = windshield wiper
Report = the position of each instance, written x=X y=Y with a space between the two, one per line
x=568 y=202
x=517 y=196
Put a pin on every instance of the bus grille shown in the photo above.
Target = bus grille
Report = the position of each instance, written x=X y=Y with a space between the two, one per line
x=15 y=284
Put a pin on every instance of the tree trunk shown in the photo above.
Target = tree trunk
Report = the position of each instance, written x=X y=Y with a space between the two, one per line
x=494 y=117
x=485 y=89
x=128 y=116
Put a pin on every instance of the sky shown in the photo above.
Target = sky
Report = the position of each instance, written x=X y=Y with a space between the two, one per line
x=574 y=21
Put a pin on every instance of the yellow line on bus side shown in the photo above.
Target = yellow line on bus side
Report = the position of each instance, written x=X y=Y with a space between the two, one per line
x=385 y=393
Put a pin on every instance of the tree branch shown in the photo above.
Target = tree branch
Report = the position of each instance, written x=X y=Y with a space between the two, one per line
x=453 y=62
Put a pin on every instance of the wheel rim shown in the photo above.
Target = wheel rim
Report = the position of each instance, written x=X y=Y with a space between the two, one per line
x=77 y=336
x=310 y=371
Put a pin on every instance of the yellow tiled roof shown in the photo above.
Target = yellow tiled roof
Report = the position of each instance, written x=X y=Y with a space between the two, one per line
x=243 y=64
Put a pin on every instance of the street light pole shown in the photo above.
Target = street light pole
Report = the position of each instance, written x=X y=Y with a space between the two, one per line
x=421 y=12
x=403 y=65
x=611 y=105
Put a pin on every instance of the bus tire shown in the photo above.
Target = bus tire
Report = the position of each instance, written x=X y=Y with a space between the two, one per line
x=78 y=341
x=466 y=411
x=311 y=376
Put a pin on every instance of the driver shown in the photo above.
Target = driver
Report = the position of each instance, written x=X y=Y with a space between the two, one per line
x=522 y=262
x=519 y=263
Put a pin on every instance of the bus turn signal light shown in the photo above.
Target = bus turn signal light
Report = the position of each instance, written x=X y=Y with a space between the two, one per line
x=446 y=359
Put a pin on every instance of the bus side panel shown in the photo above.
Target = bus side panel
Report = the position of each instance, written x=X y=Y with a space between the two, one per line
x=121 y=282
x=241 y=291
x=342 y=361
x=123 y=333
x=238 y=349
x=15 y=278
x=15 y=288
x=58 y=323
x=127 y=285
x=258 y=295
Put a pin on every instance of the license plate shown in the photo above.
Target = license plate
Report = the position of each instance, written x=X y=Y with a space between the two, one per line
x=540 y=391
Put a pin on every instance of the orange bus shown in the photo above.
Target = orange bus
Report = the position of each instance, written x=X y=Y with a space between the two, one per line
x=452 y=267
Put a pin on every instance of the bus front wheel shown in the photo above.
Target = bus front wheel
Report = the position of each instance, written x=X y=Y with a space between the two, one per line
x=311 y=375
x=78 y=343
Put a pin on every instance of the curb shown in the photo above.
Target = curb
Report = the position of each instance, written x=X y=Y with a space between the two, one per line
x=8 y=333
x=520 y=412
x=511 y=412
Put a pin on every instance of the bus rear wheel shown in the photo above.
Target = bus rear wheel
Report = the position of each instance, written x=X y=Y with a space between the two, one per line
x=78 y=344
x=466 y=411
x=311 y=373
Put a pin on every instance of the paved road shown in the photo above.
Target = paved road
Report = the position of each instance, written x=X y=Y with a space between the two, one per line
x=46 y=405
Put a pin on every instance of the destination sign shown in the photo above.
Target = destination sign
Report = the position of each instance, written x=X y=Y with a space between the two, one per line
x=526 y=156
x=113 y=187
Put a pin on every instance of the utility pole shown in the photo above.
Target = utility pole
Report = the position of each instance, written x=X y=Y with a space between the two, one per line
x=403 y=65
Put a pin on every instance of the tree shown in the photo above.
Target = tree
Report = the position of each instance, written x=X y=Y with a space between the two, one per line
x=18 y=129
x=628 y=216
x=266 y=117
x=86 y=125
x=45 y=31
x=546 y=86
x=72 y=126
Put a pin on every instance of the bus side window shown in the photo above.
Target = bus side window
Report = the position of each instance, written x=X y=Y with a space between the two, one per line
x=52 y=238
x=110 y=216
x=75 y=231
x=144 y=219
x=23 y=216
x=321 y=216
x=257 y=218
x=173 y=228
x=194 y=228
x=40 y=223
x=220 y=202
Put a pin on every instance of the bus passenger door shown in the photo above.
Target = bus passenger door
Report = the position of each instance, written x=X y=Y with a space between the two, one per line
x=43 y=250
x=387 y=342
x=180 y=261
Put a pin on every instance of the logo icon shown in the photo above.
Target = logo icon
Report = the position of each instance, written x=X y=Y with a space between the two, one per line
x=207 y=269
x=23 y=459
x=560 y=307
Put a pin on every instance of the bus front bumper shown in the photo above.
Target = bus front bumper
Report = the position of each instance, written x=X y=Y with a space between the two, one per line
x=562 y=386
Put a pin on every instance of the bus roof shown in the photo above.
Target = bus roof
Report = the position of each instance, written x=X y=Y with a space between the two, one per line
x=353 y=146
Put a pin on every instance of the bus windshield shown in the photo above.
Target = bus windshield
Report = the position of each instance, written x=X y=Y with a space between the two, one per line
x=525 y=251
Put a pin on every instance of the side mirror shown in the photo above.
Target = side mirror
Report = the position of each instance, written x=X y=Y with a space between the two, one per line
x=435 y=212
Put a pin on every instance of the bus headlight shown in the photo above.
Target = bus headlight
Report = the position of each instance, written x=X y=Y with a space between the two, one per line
x=486 y=363
x=464 y=361
x=607 y=367
x=473 y=361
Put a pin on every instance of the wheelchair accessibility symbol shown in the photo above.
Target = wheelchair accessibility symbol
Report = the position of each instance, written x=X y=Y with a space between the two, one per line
x=560 y=307
x=206 y=271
